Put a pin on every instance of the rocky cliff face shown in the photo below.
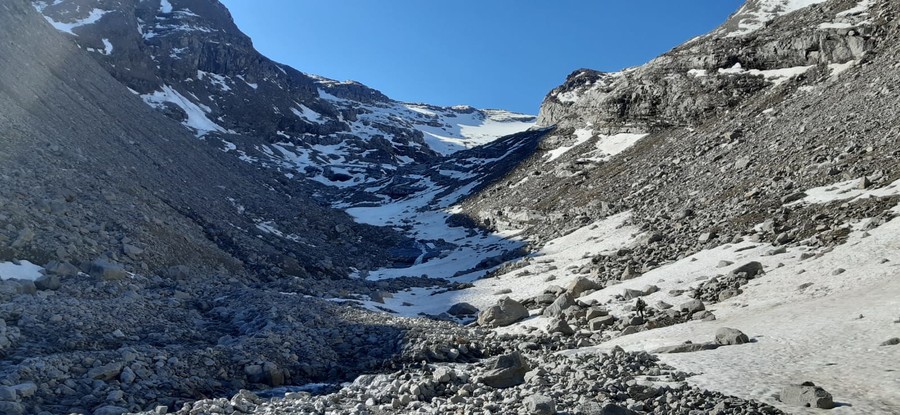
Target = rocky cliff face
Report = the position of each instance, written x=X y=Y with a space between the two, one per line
x=187 y=59
x=712 y=74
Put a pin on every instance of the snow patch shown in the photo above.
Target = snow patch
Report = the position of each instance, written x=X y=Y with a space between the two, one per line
x=20 y=270
x=196 y=115
x=68 y=27
x=165 y=7
x=581 y=135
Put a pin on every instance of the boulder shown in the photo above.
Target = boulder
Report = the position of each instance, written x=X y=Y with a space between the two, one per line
x=105 y=372
x=11 y=408
x=806 y=394
x=48 y=282
x=462 y=309
x=540 y=405
x=727 y=336
x=110 y=410
x=107 y=270
x=63 y=269
x=505 y=371
x=750 y=269
x=8 y=394
x=600 y=322
x=560 y=326
x=580 y=285
x=559 y=305
x=692 y=307
x=506 y=312
x=891 y=342
x=595 y=312
x=631 y=294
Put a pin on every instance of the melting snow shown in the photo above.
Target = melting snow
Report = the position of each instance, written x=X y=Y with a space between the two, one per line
x=196 y=114
x=308 y=114
x=67 y=27
x=776 y=76
x=752 y=20
x=24 y=270
x=847 y=190
x=581 y=135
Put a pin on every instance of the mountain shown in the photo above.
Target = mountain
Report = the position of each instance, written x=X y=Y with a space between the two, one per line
x=187 y=59
x=185 y=221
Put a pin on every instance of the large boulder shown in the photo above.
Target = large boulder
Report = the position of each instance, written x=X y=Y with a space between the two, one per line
x=806 y=394
x=462 y=309
x=507 y=311
x=505 y=371
x=692 y=306
x=559 y=325
x=559 y=305
x=728 y=336
x=750 y=269
x=582 y=284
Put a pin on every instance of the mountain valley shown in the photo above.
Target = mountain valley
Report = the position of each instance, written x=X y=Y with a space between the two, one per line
x=189 y=227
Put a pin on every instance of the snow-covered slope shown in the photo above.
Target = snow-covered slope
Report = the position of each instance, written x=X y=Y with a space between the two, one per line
x=754 y=15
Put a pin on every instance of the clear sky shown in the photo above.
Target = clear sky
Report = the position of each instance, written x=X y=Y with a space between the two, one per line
x=486 y=53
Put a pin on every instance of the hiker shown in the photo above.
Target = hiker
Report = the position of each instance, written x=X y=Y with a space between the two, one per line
x=640 y=306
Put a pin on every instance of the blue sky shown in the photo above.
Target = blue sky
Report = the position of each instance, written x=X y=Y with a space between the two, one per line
x=489 y=53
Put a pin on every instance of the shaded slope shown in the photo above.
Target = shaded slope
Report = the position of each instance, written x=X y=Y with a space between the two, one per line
x=89 y=168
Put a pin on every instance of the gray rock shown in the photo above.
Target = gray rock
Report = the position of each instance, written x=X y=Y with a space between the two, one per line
x=105 y=372
x=692 y=306
x=8 y=394
x=48 y=282
x=442 y=374
x=559 y=305
x=558 y=325
x=600 y=322
x=594 y=408
x=63 y=269
x=686 y=348
x=506 y=312
x=728 y=336
x=540 y=405
x=11 y=408
x=750 y=269
x=505 y=371
x=631 y=294
x=807 y=395
x=580 y=285
x=106 y=270
x=110 y=410
x=26 y=390
x=891 y=342
x=462 y=309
